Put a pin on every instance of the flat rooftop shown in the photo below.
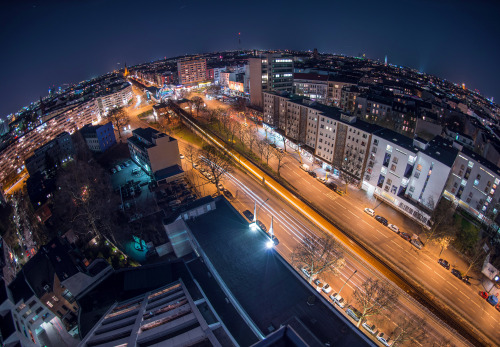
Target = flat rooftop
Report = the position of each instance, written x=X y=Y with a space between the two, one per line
x=264 y=286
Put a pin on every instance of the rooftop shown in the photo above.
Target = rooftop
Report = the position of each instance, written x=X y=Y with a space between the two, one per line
x=396 y=138
x=441 y=150
x=258 y=277
x=168 y=172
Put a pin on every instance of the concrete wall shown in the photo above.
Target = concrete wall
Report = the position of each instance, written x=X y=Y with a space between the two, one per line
x=164 y=154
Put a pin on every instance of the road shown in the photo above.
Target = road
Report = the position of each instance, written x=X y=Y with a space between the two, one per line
x=418 y=265
x=290 y=227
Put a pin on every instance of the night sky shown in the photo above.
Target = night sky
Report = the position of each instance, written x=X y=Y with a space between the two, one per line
x=47 y=43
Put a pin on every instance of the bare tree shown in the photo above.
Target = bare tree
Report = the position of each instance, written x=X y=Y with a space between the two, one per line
x=217 y=163
x=374 y=296
x=191 y=154
x=319 y=254
x=410 y=327
x=118 y=118
x=280 y=156
x=252 y=137
x=444 y=242
x=267 y=150
x=261 y=147
x=476 y=257
x=84 y=200
x=441 y=223
x=197 y=103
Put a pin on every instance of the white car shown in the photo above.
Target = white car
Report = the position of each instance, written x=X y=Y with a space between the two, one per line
x=337 y=299
x=326 y=288
x=304 y=167
x=305 y=272
x=382 y=340
x=369 y=327
x=181 y=156
x=393 y=228
x=321 y=179
x=370 y=211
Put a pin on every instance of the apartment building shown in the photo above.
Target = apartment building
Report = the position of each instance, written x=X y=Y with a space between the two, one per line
x=119 y=96
x=348 y=98
x=409 y=174
x=270 y=72
x=99 y=138
x=167 y=316
x=192 y=71
x=473 y=185
x=156 y=153
x=373 y=108
x=335 y=86
x=56 y=151
x=12 y=157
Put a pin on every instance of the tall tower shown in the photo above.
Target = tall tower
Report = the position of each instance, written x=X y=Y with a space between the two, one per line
x=385 y=60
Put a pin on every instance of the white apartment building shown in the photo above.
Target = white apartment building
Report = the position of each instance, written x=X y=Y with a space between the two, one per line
x=408 y=174
x=473 y=185
x=12 y=158
x=118 y=98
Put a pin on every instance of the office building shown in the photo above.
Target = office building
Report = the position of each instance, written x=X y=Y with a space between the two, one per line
x=269 y=72
x=157 y=153
x=51 y=154
x=192 y=71
x=99 y=138
x=312 y=86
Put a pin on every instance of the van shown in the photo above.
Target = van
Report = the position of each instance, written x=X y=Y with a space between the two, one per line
x=304 y=167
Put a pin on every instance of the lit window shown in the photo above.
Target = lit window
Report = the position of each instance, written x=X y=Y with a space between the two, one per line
x=49 y=304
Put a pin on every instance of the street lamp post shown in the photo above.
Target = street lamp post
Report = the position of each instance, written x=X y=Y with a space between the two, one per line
x=347 y=281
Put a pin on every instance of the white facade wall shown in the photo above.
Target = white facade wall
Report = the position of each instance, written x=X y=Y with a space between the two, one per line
x=428 y=180
x=474 y=186
x=312 y=127
x=117 y=99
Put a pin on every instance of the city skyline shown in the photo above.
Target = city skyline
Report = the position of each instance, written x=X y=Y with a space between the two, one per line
x=447 y=39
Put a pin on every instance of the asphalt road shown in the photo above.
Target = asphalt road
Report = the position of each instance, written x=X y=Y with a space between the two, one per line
x=290 y=227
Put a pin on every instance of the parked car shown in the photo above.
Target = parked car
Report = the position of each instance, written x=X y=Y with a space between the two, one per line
x=248 y=214
x=317 y=282
x=118 y=168
x=382 y=220
x=181 y=156
x=273 y=145
x=492 y=300
x=338 y=300
x=306 y=272
x=466 y=280
x=274 y=239
x=332 y=186
x=313 y=174
x=220 y=186
x=280 y=150
x=127 y=164
x=261 y=225
x=416 y=243
x=382 y=340
x=405 y=236
x=321 y=179
x=340 y=192
x=484 y=295
x=393 y=228
x=326 y=288
x=227 y=194
x=444 y=264
x=456 y=273
x=353 y=313
x=304 y=167
x=369 y=327
x=370 y=211
x=113 y=170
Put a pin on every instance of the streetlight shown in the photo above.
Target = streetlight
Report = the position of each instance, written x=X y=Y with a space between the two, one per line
x=347 y=281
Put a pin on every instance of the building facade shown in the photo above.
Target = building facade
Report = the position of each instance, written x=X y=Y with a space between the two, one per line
x=118 y=97
x=154 y=151
x=270 y=72
x=52 y=153
x=99 y=138
x=192 y=71
x=311 y=86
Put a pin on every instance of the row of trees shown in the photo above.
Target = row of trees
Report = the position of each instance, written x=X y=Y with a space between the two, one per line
x=373 y=297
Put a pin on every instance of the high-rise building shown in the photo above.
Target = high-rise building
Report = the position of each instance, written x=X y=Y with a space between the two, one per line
x=56 y=151
x=270 y=72
x=192 y=71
